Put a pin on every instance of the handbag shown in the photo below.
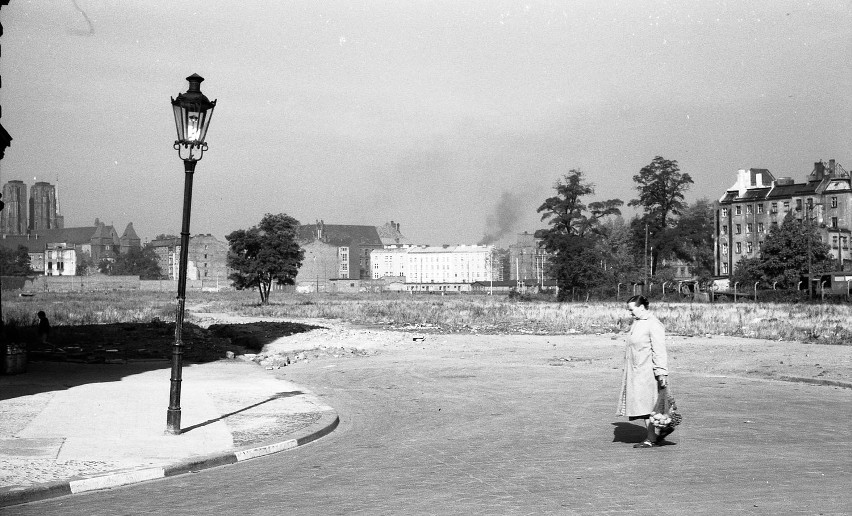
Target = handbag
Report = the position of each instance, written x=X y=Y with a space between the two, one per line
x=665 y=414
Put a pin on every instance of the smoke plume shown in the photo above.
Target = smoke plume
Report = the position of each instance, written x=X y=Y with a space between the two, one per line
x=502 y=219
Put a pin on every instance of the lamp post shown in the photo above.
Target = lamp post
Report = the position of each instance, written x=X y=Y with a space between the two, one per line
x=192 y=118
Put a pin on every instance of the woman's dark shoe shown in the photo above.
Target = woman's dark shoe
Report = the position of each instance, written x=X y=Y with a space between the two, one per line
x=644 y=444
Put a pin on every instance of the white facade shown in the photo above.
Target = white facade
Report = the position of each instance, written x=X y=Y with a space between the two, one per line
x=390 y=261
x=60 y=260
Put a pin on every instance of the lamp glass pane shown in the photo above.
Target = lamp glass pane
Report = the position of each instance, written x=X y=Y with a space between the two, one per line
x=193 y=126
x=179 y=116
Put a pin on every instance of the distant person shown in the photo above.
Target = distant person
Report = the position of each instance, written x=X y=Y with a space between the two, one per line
x=645 y=369
x=43 y=328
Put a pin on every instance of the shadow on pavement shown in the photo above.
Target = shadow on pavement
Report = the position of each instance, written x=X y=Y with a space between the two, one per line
x=628 y=433
x=224 y=416
x=55 y=376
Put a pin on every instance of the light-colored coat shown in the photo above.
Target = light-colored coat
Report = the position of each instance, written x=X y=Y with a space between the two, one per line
x=644 y=358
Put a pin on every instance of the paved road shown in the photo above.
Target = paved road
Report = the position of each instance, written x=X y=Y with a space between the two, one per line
x=478 y=425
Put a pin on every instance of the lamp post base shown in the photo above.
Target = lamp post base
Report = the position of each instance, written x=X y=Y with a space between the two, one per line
x=173 y=421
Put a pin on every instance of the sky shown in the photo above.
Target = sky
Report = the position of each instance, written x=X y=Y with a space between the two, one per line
x=452 y=118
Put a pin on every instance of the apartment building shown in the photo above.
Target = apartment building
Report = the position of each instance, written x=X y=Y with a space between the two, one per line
x=757 y=202
x=449 y=264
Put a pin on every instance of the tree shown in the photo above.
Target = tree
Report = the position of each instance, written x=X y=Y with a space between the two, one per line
x=574 y=230
x=264 y=254
x=783 y=258
x=565 y=211
x=661 y=187
x=85 y=263
x=137 y=261
x=15 y=263
x=693 y=237
x=618 y=251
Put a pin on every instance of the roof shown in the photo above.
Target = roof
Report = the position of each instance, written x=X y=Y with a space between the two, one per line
x=390 y=234
x=77 y=236
x=129 y=233
x=434 y=249
x=341 y=234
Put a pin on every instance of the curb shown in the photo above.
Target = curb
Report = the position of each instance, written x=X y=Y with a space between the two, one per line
x=815 y=381
x=14 y=496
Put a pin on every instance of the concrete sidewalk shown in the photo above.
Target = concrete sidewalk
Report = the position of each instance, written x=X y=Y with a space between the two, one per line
x=68 y=428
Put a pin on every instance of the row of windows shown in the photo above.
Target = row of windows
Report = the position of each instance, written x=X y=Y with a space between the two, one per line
x=749 y=228
x=738 y=209
x=738 y=247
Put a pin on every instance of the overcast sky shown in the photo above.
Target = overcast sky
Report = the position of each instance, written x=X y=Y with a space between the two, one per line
x=437 y=115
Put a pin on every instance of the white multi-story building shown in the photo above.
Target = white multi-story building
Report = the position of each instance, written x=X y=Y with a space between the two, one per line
x=60 y=259
x=435 y=264
x=390 y=261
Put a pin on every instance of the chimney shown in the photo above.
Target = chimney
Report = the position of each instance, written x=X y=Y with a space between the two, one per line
x=819 y=170
x=831 y=167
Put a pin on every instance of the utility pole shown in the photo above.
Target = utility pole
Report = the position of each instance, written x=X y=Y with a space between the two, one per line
x=645 y=286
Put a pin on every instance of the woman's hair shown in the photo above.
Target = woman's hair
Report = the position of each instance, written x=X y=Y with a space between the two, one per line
x=639 y=300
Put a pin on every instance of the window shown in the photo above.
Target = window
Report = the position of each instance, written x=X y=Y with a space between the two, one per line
x=724 y=212
x=834 y=202
x=748 y=247
x=834 y=222
x=798 y=205
x=724 y=248
x=774 y=208
x=749 y=228
x=724 y=230
x=786 y=205
x=760 y=208
x=739 y=228
x=748 y=209
x=760 y=245
x=845 y=242
x=810 y=203
x=739 y=210
x=724 y=268
x=774 y=225
x=834 y=242
x=760 y=227
x=739 y=248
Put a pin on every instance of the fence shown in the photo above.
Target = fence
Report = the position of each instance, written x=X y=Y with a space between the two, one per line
x=102 y=283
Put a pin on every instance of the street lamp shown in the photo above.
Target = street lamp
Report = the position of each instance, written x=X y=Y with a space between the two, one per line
x=192 y=118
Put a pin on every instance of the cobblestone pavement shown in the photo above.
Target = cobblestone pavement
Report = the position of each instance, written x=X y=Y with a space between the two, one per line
x=503 y=425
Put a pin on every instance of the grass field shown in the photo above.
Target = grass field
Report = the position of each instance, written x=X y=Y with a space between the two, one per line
x=829 y=323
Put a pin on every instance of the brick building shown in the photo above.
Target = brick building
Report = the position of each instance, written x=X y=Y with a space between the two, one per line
x=351 y=244
x=757 y=202
x=38 y=212
x=207 y=259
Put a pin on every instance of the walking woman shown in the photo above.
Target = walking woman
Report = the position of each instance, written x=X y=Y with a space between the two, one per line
x=645 y=369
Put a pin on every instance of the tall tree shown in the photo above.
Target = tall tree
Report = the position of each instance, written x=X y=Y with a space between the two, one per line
x=15 y=263
x=265 y=254
x=567 y=214
x=574 y=231
x=661 y=186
